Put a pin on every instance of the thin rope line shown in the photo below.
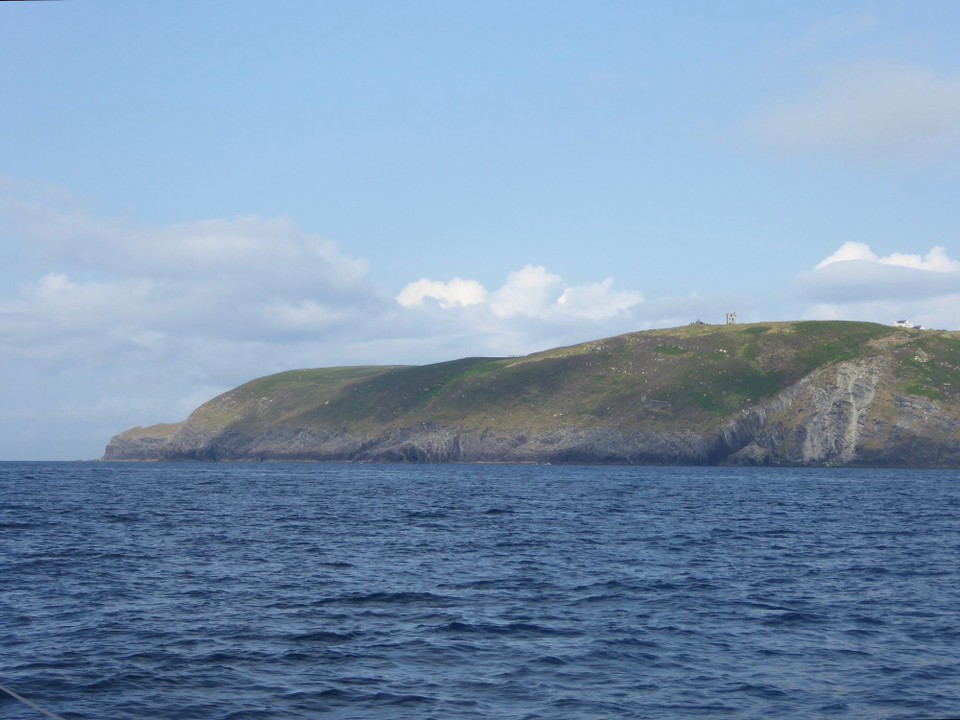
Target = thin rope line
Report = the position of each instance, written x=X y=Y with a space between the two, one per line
x=36 y=707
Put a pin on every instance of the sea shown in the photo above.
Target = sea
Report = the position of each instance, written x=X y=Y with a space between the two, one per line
x=335 y=591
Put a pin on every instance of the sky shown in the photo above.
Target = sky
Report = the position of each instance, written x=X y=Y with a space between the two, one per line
x=196 y=194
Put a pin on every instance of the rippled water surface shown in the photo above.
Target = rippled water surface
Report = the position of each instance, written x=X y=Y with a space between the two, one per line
x=343 y=591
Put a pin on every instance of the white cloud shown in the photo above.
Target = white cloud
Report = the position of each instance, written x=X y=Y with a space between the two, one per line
x=935 y=261
x=856 y=283
x=598 y=301
x=303 y=315
x=56 y=310
x=448 y=294
x=529 y=293
x=126 y=288
x=870 y=110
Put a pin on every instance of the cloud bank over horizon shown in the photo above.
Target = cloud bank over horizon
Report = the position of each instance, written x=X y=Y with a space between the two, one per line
x=856 y=283
x=124 y=289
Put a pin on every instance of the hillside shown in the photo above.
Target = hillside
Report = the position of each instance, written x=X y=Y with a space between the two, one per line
x=840 y=393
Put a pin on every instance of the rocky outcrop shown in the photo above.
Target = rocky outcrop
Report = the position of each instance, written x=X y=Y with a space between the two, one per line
x=818 y=421
x=835 y=417
x=427 y=444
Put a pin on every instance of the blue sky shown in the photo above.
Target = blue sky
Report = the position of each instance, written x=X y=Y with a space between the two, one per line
x=193 y=194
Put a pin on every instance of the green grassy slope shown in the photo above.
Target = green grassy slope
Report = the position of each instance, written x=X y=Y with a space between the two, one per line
x=699 y=373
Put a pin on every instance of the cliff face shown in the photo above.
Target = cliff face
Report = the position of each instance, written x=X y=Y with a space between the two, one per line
x=784 y=393
x=851 y=414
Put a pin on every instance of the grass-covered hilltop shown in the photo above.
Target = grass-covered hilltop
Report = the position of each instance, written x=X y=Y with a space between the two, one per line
x=793 y=393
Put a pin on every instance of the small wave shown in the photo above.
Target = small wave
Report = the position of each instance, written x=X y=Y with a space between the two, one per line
x=932 y=672
x=601 y=598
x=121 y=518
x=480 y=584
x=18 y=526
x=250 y=715
x=551 y=660
x=773 y=533
x=386 y=698
x=834 y=708
x=664 y=585
x=328 y=694
x=860 y=632
x=119 y=681
x=764 y=691
x=361 y=680
x=634 y=642
x=516 y=628
x=325 y=637
x=426 y=515
x=869 y=569
x=619 y=656
x=387 y=598
x=791 y=617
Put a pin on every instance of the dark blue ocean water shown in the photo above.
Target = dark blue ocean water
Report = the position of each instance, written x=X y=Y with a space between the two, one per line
x=343 y=591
